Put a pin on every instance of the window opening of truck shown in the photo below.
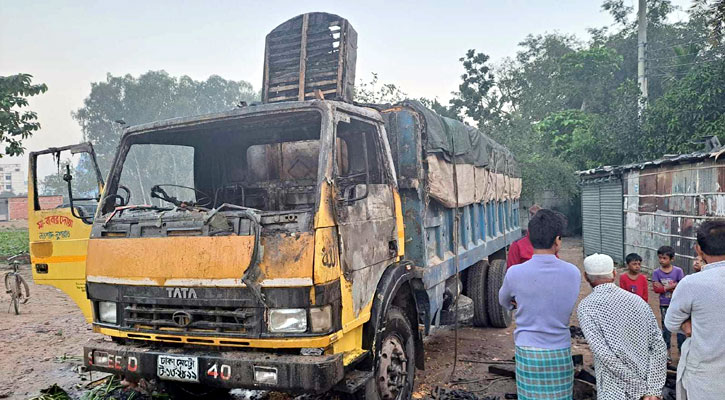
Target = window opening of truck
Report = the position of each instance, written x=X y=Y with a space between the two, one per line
x=52 y=190
x=266 y=162
x=355 y=169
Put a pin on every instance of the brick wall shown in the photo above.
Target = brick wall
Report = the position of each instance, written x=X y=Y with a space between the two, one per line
x=18 y=206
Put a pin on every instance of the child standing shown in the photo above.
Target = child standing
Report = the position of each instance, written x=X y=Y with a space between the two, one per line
x=633 y=281
x=664 y=281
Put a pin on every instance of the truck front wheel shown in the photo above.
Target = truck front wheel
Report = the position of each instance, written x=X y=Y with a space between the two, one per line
x=395 y=359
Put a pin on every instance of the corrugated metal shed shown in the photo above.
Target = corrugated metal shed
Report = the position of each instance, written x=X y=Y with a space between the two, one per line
x=602 y=222
x=663 y=202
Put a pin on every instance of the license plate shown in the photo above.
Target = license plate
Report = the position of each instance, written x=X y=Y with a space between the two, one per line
x=178 y=368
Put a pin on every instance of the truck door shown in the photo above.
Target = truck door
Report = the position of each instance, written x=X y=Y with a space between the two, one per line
x=365 y=207
x=59 y=177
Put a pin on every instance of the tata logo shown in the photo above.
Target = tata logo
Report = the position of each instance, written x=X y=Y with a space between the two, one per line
x=181 y=293
x=181 y=318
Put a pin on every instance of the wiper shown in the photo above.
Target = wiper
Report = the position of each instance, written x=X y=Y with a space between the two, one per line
x=132 y=207
x=159 y=193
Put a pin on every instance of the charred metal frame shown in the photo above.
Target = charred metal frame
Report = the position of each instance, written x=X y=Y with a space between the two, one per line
x=86 y=147
x=182 y=124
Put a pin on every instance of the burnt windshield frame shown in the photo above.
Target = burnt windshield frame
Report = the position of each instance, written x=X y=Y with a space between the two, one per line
x=85 y=147
x=239 y=126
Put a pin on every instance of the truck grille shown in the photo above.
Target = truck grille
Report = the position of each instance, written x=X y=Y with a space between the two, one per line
x=213 y=320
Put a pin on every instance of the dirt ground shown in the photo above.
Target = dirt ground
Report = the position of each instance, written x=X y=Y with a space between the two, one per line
x=42 y=346
x=478 y=348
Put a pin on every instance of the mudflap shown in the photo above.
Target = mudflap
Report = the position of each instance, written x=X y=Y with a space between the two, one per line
x=356 y=384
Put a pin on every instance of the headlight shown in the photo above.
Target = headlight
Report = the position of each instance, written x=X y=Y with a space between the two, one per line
x=287 y=320
x=107 y=311
x=321 y=319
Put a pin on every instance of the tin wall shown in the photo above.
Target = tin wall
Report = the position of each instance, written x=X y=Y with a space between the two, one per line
x=602 y=217
x=664 y=204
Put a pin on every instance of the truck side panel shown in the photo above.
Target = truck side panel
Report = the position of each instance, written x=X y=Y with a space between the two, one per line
x=484 y=229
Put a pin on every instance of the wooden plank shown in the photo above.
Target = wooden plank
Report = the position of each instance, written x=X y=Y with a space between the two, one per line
x=285 y=87
x=321 y=83
x=341 y=59
x=303 y=56
x=310 y=95
x=291 y=77
x=265 y=78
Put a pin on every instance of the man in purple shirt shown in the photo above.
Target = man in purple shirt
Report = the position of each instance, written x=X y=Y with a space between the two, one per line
x=544 y=291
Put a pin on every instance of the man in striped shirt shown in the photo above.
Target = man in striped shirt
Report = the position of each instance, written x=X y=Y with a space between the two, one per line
x=630 y=357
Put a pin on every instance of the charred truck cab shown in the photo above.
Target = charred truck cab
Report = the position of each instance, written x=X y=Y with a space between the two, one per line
x=242 y=249
x=301 y=245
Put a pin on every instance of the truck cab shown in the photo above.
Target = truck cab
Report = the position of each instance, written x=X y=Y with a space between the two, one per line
x=267 y=227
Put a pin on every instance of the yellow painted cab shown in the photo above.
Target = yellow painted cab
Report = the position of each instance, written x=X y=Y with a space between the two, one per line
x=60 y=213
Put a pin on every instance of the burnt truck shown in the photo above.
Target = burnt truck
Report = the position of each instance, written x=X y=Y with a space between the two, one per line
x=304 y=244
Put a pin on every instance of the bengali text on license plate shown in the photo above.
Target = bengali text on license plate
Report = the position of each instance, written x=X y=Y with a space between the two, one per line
x=178 y=368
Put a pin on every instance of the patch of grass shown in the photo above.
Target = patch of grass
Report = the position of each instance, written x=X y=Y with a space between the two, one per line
x=52 y=393
x=104 y=391
x=13 y=242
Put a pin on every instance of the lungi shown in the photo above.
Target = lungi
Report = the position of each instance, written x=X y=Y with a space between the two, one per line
x=544 y=374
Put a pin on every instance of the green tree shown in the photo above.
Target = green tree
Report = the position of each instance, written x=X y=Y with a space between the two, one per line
x=17 y=125
x=715 y=14
x=476 y=97
x=693 y=107
x=588 y=74
x=374 y=92
x=152 y=96
x=569 y=136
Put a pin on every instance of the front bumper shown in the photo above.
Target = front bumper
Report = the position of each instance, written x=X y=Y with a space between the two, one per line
x=295 y=373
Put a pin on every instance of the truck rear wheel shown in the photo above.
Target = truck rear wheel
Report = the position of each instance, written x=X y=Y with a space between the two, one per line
x=395 y=359
x=477 y=292
x=498 y=316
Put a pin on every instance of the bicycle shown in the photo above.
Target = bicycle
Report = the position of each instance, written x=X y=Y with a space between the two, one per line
x=16 y=286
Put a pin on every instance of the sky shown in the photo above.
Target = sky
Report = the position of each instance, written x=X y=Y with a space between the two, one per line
x=414 y=44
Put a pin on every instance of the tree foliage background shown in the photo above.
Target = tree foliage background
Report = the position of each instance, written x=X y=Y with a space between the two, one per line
x=122 y=101
x=565 y=103
x=17 y=125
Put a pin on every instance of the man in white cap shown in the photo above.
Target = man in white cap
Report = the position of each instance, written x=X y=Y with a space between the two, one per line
x=630 y=357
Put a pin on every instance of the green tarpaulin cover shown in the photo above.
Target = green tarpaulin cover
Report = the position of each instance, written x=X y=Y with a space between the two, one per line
x=454 y=140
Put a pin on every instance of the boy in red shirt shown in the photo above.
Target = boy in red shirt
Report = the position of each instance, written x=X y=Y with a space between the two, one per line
x=633 y=281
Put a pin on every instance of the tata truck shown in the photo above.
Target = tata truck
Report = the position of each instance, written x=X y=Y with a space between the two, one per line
x=305 y=244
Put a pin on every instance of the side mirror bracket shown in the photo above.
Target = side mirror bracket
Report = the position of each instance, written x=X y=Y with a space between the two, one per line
x=68 y=178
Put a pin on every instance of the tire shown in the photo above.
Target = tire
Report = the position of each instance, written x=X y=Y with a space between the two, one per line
x=394 y=371
x=12 y=286
x=23 y=290
x=477 y=292
x=8 y=282
x=498 y=316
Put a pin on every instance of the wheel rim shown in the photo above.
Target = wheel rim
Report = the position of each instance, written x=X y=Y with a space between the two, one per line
x=392 y=374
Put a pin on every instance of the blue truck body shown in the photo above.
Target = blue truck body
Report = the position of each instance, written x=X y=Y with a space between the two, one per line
x=485 y=228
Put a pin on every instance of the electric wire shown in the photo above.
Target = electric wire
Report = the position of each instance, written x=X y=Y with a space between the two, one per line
x=667 y=46
x=705 y=61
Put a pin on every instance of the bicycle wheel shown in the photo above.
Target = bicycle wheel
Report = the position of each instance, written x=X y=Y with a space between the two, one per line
x=14 y=302
x=8 y=282
x=23 y=293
